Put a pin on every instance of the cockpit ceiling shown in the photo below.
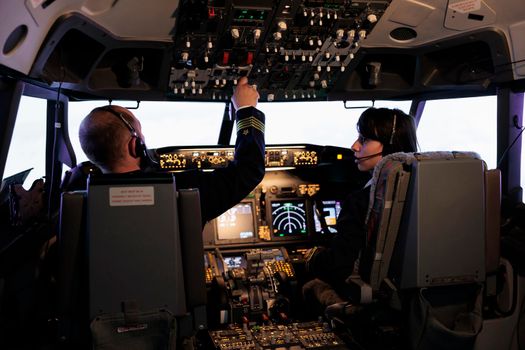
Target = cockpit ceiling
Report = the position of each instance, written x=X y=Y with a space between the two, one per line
x=293 y=50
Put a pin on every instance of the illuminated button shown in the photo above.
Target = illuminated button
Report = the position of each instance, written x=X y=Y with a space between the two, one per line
x=235 y=33
x=339 y=156
x=256 y=34
x=282 y=25
x=225 y=57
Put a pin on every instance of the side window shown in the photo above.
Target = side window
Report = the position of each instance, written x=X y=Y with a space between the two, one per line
x=449 y=125
x=28 y=144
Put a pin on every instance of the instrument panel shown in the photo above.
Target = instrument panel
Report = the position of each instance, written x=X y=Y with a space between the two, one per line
x=293 y=50
x=254 y=253
x=212 y=157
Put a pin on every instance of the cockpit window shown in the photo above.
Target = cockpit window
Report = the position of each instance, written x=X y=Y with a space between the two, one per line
x=163 y=123
x=466 y=124
x=323 y=123
x=28 y=143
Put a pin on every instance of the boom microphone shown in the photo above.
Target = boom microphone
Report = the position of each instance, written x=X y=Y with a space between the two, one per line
x=361 y=159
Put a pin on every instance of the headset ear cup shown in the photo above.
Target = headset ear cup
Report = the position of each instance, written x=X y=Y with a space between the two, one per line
x=140 y=148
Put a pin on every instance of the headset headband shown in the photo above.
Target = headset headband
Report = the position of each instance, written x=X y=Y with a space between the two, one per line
x=121 y=117
x=393 y=129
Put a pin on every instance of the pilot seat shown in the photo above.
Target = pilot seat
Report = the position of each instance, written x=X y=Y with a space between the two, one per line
x=131 y=273
x=431 y=260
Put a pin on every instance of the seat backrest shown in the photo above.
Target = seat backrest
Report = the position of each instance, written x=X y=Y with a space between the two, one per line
x=134 y=249
x=125 y=234
x=430 y=230
x=71 y=285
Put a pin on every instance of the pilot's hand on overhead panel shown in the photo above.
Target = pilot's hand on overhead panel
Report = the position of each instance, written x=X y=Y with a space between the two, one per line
x=245 y=95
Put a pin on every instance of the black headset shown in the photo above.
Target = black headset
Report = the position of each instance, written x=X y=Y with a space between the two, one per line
x=140 y=147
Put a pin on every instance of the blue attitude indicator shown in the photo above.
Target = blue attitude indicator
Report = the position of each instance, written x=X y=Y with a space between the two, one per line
x=288 y=218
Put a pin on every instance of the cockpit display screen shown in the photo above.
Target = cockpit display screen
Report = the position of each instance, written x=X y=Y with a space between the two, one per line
x=233 y=261
x=289 y=218
x=236 y=223
x=330 y=209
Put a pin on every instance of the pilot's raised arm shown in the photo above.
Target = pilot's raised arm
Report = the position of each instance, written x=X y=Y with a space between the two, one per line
x=225 y=187
x=111 y=137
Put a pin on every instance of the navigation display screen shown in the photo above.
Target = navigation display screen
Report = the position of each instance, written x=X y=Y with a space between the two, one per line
x=289 y=218
x=236 y=223
x=330 y=209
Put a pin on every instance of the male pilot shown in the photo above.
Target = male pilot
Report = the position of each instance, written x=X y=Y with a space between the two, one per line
x=112 y=139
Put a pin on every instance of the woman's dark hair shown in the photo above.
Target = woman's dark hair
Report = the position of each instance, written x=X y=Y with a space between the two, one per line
x=395 y=129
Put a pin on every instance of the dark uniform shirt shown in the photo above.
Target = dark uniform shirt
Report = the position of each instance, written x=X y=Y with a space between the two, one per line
x=336 y=262
x=222 y=188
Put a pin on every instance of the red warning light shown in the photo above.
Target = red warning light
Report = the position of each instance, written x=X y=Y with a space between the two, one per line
x=225 y=57
x=249 y=58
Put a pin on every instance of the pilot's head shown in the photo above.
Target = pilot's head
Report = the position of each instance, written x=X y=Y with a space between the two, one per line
x=112 y=139
x=383 y=131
